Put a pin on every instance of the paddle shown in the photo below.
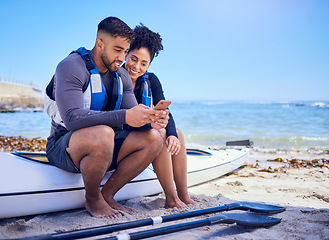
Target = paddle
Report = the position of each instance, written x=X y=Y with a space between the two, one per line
x=244 y=219
x=246 y=143
x=93 y=231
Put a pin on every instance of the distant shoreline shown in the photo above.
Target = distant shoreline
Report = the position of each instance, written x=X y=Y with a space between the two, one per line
x=14 y=96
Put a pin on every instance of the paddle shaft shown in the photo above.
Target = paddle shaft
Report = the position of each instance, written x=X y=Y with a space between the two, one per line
x=162 y=230
x=241 y=219
x=93 y=231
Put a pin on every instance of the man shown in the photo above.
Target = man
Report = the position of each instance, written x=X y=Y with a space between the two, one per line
x=92 y=141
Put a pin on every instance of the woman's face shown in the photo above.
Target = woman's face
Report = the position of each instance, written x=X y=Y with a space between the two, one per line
x=137 y=62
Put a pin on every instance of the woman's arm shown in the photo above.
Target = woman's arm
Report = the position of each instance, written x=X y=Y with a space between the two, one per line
x=157 y=95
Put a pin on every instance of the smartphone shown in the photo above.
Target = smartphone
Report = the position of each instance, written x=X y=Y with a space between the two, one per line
x=162 y=105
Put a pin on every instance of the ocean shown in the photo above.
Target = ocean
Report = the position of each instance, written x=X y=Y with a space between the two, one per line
x=297 y=125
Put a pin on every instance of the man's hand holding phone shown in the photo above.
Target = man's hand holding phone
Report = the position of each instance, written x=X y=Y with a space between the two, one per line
x=162 y=105
x=161 y=115
x=141 y=115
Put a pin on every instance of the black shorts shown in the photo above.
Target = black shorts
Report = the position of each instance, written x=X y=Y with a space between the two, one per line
x=58 y=156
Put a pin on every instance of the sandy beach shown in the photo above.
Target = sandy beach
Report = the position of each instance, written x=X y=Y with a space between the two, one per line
x=303 y=190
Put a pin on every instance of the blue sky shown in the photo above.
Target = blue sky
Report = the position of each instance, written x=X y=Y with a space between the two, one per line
x=213 y=50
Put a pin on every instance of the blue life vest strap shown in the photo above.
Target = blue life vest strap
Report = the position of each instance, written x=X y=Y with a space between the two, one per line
x=98 y=91
x=120 y=91
x=146 y=88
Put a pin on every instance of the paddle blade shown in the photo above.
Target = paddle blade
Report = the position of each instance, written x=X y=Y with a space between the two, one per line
x=260 y=207
x=245 y=219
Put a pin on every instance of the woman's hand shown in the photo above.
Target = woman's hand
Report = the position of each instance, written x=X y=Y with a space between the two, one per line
x=160 y=119
x=173 y=145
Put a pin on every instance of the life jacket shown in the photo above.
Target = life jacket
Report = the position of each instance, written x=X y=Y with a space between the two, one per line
x=146 y=92
x=93 y=95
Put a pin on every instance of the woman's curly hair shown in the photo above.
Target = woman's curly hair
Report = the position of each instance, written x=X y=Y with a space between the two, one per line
x=144 y=37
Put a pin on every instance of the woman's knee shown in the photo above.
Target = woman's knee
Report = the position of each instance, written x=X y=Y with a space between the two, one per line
x=179 y=133
x=180 y=136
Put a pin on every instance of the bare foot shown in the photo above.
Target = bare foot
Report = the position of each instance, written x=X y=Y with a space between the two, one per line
x=188 y=200
x=174 y=203
x=184 y=196
x=115 y=205
x=98 y=207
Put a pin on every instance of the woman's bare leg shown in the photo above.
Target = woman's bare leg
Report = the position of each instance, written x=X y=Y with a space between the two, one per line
x=179 y=162
x=164 y=171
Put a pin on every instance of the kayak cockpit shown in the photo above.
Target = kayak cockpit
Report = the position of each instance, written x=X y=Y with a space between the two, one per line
x=37 y=157
x=197 y=152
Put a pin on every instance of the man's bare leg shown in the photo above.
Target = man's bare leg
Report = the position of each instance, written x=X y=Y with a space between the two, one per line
x=138 y=150
x=91 y=150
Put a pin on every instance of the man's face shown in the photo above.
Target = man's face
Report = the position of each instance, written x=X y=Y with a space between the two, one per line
x=114 y=52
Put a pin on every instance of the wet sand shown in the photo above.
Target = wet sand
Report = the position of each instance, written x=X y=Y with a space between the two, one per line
x=290 y=179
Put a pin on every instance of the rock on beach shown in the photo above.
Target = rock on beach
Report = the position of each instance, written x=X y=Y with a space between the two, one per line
x=18 y=144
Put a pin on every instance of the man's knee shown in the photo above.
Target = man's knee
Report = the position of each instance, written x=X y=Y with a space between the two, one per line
x=154 y=138
x=101 y=138
x=163 y=134
x=97 y=141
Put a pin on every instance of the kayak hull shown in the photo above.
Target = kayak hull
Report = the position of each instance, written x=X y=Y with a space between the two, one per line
x=30 y=187
x=204 y=168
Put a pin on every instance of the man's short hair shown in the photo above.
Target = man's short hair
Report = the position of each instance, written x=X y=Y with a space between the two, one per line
x=116 y=27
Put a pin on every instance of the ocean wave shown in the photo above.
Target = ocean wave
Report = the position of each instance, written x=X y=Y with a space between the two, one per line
x=296 y=141
x=319 y=104
x=196 y=137
x=20 y=109
x=203 y=102
x=312 y=138
x=293 y=141
x=314 y=104
x=213 y=103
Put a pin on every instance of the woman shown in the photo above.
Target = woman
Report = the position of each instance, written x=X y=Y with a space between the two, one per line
x=170 y=165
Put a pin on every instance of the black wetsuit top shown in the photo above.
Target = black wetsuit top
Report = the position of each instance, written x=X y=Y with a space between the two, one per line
x=157 y=95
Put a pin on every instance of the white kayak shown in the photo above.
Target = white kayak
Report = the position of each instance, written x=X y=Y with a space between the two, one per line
x=29 y=186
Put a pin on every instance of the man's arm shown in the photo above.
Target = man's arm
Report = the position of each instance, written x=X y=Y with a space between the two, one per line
x=70 y=77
